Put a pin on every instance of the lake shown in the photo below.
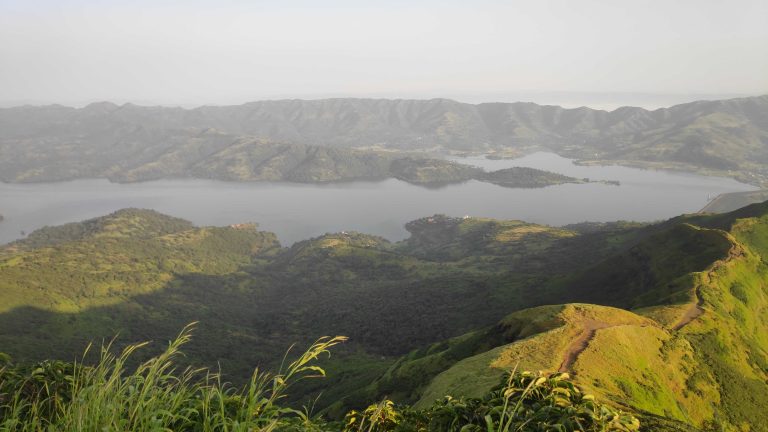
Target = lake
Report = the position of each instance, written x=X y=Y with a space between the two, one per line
x=300 y=211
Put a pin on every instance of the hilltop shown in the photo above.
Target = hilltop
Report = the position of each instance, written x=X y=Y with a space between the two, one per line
x=337 y=139
x=664 y=320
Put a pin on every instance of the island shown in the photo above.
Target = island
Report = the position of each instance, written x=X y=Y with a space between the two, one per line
x=441 y=172
x=524 y=177
x=433 y=172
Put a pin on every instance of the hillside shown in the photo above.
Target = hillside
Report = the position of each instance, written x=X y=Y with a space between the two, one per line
x=216 y=156
x=147 y=275
x=677 y=359
x=665 y=320
x=107 y=260
x=301 y=140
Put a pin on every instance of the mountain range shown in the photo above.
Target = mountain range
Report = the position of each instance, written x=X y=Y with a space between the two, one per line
x=338 y=139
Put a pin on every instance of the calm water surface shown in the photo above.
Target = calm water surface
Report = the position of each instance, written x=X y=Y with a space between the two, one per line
x=296 y=211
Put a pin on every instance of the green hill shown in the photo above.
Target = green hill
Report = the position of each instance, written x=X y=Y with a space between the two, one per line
x=667 y=320
x=698 y=356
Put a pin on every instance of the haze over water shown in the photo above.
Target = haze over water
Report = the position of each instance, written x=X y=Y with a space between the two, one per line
x=300 y=211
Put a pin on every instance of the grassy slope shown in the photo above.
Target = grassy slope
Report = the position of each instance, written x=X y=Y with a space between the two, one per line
x=107 y=260
x=710 y=372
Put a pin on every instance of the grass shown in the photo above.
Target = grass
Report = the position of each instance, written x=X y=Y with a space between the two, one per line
x=653 y=378
x=711 y=373
x=540 y=339
x=154 y=396
x=520 y=402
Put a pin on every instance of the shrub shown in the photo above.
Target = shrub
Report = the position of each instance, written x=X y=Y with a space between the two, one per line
x=155 y=396
x=523 y=401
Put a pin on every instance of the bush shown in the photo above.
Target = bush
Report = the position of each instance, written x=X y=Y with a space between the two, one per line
x=153 y=397
x=521 y=402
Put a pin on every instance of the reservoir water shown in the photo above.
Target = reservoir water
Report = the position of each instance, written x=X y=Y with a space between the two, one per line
x=300 y=211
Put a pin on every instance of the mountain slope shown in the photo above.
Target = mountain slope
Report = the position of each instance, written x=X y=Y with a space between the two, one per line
x=107 y=260
x=144 y=275
x=701 y=361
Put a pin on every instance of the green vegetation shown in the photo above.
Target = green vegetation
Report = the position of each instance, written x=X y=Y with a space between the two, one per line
x=440 y=172
x=665 y=321
x=527 y=178
x=144 y=275
x=107 y=260
x=520 y=402
x=677 y=361
x=432 y=171
x=157 y=395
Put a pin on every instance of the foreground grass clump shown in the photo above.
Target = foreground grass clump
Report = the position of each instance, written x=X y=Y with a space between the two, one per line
x=158 y=396
x=521 y=402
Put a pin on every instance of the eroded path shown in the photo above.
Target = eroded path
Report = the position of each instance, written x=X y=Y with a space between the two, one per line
x=697 y=309
x=694 y=311
x=592 y=326
x=691 y=314
x=581 y=343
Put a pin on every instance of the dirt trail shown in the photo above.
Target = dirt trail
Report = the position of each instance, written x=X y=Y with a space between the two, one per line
x=694 y=311
x=697 y=309
x=592 y=326
x=580 y=344
x=691 y=314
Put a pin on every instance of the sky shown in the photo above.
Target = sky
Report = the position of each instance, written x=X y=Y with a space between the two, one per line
x=193 y=52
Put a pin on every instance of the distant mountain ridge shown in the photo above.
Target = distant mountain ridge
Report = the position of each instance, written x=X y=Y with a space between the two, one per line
x=103 y=139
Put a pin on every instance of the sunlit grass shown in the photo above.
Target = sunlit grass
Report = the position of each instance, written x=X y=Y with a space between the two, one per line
x=155 y=396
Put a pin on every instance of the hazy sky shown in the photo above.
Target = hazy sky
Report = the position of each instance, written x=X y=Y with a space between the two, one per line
x=228 y=51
